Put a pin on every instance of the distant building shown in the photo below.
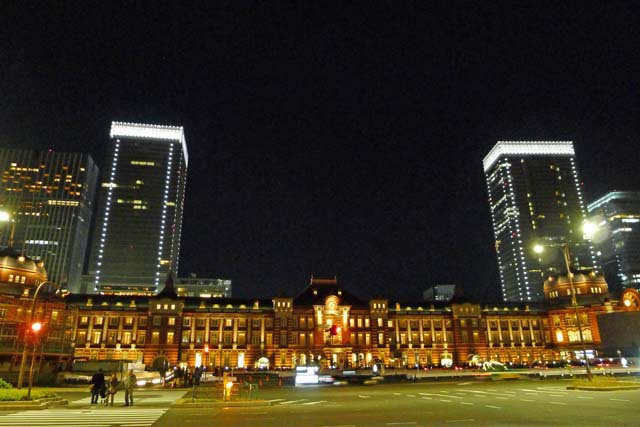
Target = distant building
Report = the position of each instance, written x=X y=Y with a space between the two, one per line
x=194 y=286
x=439 y=293
x=139 y=221
x=49 y=196
x=619 y=243
x=535 y=198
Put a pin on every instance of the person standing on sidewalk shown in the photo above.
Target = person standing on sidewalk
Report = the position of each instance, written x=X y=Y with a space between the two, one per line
x=97 y=383
x=129 y=384
x=112 y=386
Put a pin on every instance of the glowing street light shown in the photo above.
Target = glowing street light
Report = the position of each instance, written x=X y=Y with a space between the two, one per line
x=7 y=217
x=35 y=328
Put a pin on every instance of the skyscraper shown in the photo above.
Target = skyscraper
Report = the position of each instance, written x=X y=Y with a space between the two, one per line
x=618 y=243
x=136 y=241
x=535 y=198
x=49 y=196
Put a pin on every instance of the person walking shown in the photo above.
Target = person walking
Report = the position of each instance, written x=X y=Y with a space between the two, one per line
x=129 y=384
x=97 y=383
x=112 y=384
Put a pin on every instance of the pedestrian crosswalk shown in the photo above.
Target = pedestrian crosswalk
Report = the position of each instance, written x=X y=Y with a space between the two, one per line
x=92 y=417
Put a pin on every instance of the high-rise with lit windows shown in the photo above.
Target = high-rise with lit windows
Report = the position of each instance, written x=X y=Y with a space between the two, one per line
x=136 y=240
x=48 y=196
x=535 y=198
x=618 y=240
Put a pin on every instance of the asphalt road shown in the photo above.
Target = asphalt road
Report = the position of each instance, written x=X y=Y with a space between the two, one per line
x=489 y=403
x=540 y=402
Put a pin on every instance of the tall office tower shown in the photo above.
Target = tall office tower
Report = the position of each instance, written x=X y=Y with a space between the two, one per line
x=535 y=199
x=618 y=243
x=136 y=242
x=49 y=196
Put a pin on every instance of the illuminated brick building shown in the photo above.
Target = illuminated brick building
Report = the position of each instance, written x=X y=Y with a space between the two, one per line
x=292 y=331
x=19 y=278
x=324 y=324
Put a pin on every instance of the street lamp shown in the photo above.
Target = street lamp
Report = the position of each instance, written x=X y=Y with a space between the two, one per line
x=29 y=322
x=574 y=301
x=35 y=328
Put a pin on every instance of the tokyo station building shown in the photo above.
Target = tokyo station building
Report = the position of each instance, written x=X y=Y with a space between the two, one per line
x=325 y=324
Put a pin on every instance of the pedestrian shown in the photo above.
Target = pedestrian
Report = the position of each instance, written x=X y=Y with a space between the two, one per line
x=129 y=384
x=113 y=388
x=97 y=383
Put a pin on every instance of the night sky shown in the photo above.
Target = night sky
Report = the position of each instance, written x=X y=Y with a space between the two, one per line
x=337 y=139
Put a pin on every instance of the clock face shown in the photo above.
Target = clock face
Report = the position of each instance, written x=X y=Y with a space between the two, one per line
x=332 y=303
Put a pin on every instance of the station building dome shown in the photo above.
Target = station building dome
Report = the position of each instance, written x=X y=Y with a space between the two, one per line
x=590 y=288
x=18 y=269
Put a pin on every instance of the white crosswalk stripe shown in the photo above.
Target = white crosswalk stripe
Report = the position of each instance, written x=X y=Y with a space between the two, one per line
x=93 y=417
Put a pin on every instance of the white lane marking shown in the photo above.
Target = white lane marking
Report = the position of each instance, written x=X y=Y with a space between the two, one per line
x=491 y=406
x=620 y=400
x=440 y=395
x=404 y=423
x=501 y=398
x=445 y=400
x=584 y=397
x=466 y=403
x=315 y=403
x=411 y=395
x=539 y=390
x=428 y=398
x=288 y=402
x=463 y=384
x=527 y=400
x=557 y=403
x=364 y=396
x=466 y=420
x=397 y=394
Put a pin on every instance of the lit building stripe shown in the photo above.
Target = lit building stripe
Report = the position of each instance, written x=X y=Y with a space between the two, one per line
x=165 y=197
x=141 y=130
x=105 y=220
x=527 y=148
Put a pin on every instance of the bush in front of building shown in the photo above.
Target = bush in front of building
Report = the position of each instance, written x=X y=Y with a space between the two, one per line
x=4 y=384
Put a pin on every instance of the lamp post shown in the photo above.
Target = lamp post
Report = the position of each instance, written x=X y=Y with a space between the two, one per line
x=35 y=328
x=574 y=301
x=23 y=362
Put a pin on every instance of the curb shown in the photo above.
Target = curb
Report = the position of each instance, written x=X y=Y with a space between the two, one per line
x=33 y=405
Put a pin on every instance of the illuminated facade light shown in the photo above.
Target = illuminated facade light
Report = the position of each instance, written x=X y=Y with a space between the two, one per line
x=534 y=197
x=142 y=226
x=617 y=237
x=51 y=199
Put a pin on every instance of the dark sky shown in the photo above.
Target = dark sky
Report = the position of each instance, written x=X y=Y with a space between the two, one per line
x=337 y=139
